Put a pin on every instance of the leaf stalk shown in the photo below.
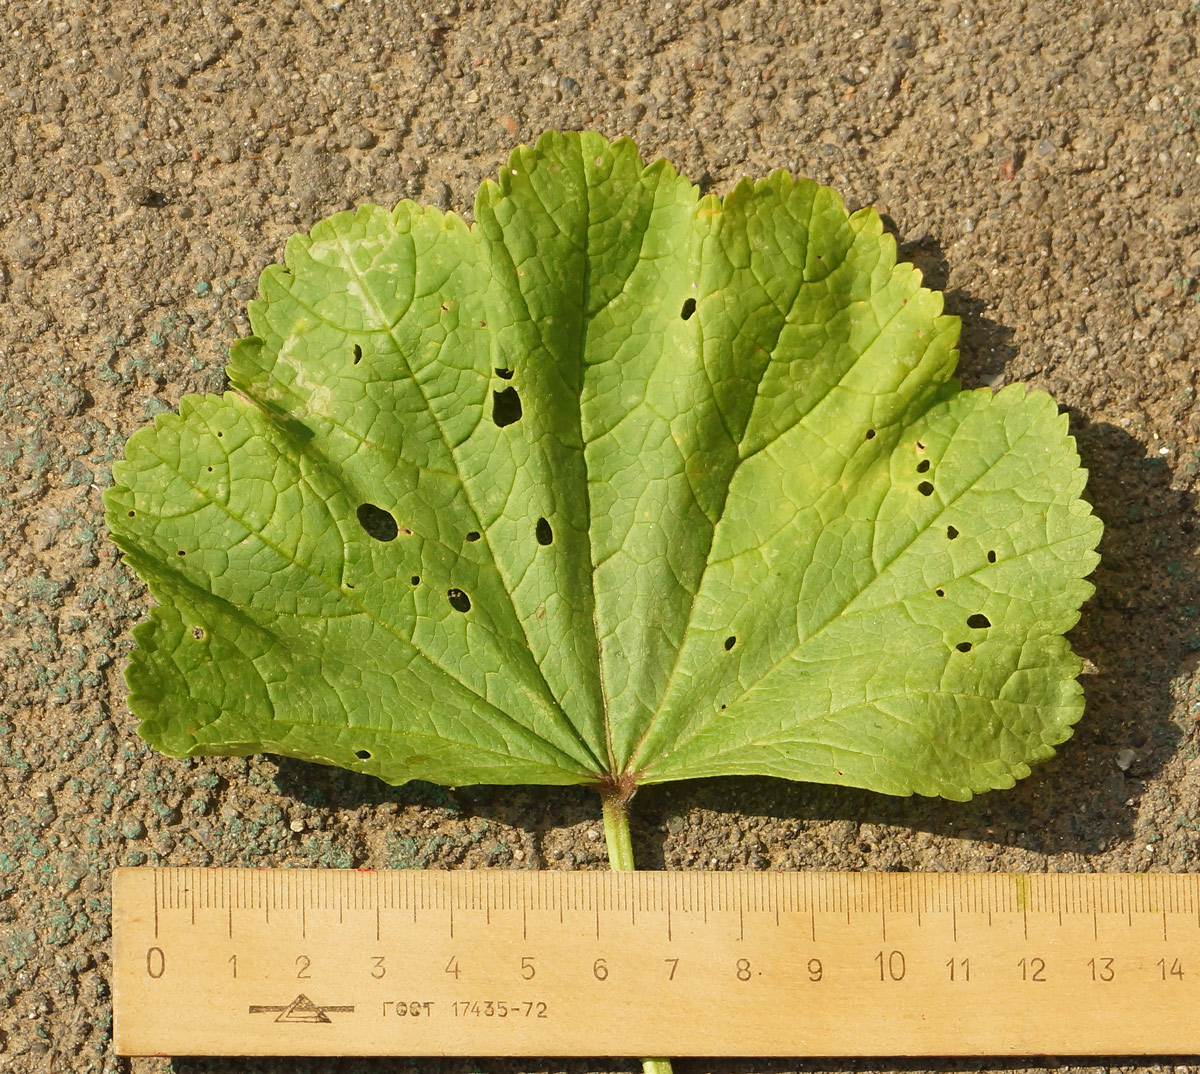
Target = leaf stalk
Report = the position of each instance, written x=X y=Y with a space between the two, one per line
x=615 y=802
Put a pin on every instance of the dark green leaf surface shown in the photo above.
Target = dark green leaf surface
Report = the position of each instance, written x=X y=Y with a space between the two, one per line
x=616 y=481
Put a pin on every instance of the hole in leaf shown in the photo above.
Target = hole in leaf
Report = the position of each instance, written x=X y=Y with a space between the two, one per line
x=870 y=434
x=459 y=601
x=978 y=621
x=181 y=552
x=920 y=446
x=445 y=307
x=940 y=592
x=504 y=374
x=963 y=646
x=377 y=522
x=220 y=435
x=198 y=633
x=545 y=535
x=992 y=556
x=357 y=354
x=349 y=585
x=473 y=535
x=210 y=469
x=363 y=755
x=925 y=488
x=730 y=642
x=132 y=513
x=689 y=307
x=506 y=407
x=923 y=466
x=951 y=533
x=415 y=579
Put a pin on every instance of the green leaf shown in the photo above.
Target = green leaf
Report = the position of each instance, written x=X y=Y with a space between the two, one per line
x=618 y=483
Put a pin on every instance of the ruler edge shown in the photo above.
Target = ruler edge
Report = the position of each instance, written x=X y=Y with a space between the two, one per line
x=126 y=880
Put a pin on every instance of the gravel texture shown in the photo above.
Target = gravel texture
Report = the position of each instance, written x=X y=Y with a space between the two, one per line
x=1038 y=160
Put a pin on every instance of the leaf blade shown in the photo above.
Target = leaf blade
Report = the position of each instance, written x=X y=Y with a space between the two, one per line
x=613 y=483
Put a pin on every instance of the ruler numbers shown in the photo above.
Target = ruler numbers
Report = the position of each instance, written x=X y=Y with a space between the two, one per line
x=547 y=963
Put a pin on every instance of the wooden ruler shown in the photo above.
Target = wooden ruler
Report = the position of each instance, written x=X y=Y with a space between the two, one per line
x=491 y=963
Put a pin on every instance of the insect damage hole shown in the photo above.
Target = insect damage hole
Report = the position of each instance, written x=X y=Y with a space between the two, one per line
x=730 y=642
x=992 y=555
x=363 y=755
x=415 y=580
x=377 y=522
x=964 y=646
x=506 y=407
x=951 y=533
x=923 y=466
x=504 y=374
x=543 y=532
x=473 y=536
x=689 y=307
x=925 y=488
x=978 y=621
x=870 y=434
x=198 y=633
x=459 y=601
x=357 y=354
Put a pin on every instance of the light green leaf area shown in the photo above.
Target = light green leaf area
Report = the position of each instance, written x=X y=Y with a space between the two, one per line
x=617 y=483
